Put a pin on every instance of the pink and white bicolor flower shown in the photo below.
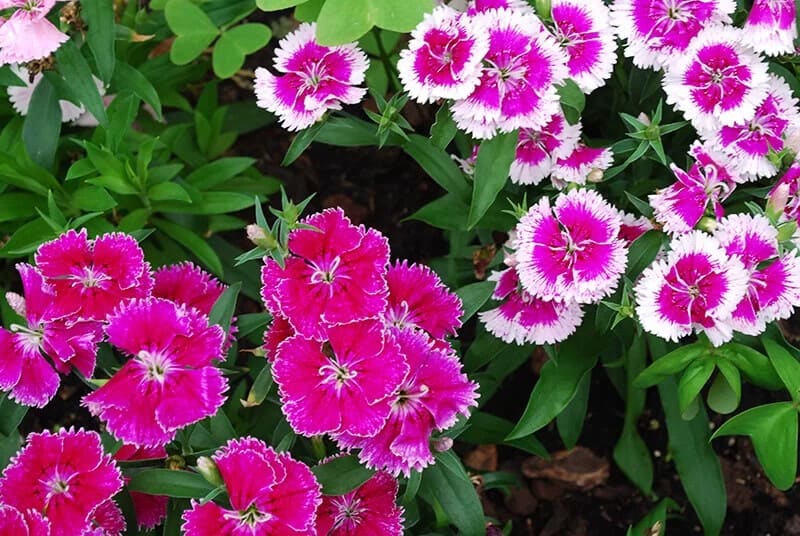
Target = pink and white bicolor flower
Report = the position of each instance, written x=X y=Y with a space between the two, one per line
x=717 y=81
x=695 y=288
x=774 y=283
x=582 y=27
x=443 y=58
x=771 y=26
x=657 y=30
x=578 y=164
x=538 y=150
x=524 y=319
x=571 y=251
x=27 y=34
x=480 y=6
x=517 y=87
x=786 y=193
x=315 y=79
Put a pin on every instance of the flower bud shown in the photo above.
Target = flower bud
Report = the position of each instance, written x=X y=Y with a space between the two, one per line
x=260 y=237
x=643 y=118
x=792 y=142
x=16 y=302
x=778 y=198
x=209 y=470
x=707 y=224
x=595 y=176
x=442 y=444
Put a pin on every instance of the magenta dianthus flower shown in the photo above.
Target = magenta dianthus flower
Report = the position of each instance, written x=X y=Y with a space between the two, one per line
x=270 y=493
x=314 y=79
x=539 y=150
x=187 y=284
x=771 y=26
x=27 y=34
x=26 y=523
x=65 y=476
x=170 y=380
x=150 y=509
x=633 y=227
x=369 y=510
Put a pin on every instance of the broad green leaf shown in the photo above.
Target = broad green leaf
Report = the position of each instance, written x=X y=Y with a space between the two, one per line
x=225 y=307
x=235 y=44
x=491 y=173
x=218 y=171
x=193 y=242
x=787 y=367
x=642 y=252
x=15 y=206
x=341 y=475
x=573 y=101
x=484 y=429
x=260 y=389
x=447 y=212
x=473 y=296
x=773 y=430
x=657 y=517
x=42 y=125
x=78 y=76
x=352 y=132
x=9 y=446
x=180 y=484
x=27 y=238
x=301 y=142
x=438 y=164
x=400 y=15
x=444 y=129
x=99 y=15
x=194 y=30
x=344 y=21
x=308 y=11
x=276 y=5
x=692 y=382
x=8 y=78
x=756 y=367
x=447 y=483
x=93 y=198
x=128 y=78
x=726 y=389
x=11 y=414
x=570 y=421
x=169 y=191
x=670 y=364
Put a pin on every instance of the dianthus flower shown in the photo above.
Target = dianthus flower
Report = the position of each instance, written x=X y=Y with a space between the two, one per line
x=774 y=282
x=480 y=6
x=279 y=330
x=335 y=275
x=431 y=397
x=342 y=385
x=578 y=164
x=24 y=369
x=90 y=278
x=26 y=523
x=65 y=476
x=633 y=227
x=443 y=58
x=418 y=299
x=582 y=27
x=571 y=251
x=702 y=190
x=27 y=34
x=657 y=30
x=517 y=87
x=524 y=319
x=368 y=510
x=717 y=81
x=187 y=284
x=270 y=493
x=771 y=27
x=696 y=287
x=538 y=150
x=150 y=509
x=748 y=143
x=20 y=96
x=315 y=79
x=170 y=382
x=790 y=184
x=107 y=520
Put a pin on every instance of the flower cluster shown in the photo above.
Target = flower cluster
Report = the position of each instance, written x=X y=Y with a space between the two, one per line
x=25 y=33
x=357 y=345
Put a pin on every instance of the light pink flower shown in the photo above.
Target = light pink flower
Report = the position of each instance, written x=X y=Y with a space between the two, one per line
x=24 y=369
x=443 y=58
x=91 y=277
x=517 y=87
x=481 y=6
x=774 y=278
x=170 y=380
x=151 y=510
x=748 y=143
x=538 y=150
x=26 y=523
x=572 y=251
x=790 y=181
x=342 y=385
x=335 y=275
x=270 y=494
x=582 y=27
x=657 y=30
x=65 y=476
x=418 y=299
x=430 y=398
x=709 y=182
x=315 y=79
x=577 y=166
x=696 y=287
x=771 y=27
x=524 y=319
x=717 y=81
x=27 y=34
x=633 y=227
x=369 y=510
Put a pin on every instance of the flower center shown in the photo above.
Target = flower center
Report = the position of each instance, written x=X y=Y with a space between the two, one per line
x=91 y=278
x=408 y=396
x=349 y=512
x=252 y=516
x=155 y=364
x=57 y=485
x=333 y=371
x=325 y=272
x=31 y=339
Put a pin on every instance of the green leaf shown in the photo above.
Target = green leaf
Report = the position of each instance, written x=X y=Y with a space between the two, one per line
x=643 y=251
x=400 y=15
x=194 y=30
x=309 y=10
x=128 y=78
x=787 y=367
x=473 y=296
x=444 y=129
x=225 y=307
x=78 y=76
x=15 y=206
x=276 y=5
x=341 y=475
x=260 y=389
x=570 y=421
x=692 y=382
x=491 y=173
x=447 y=483
x=573 y=100
x=773 y=430
x=657 y=515
x=9 y=78
x=344 y=21
x=42 y=125
x=301 y=142
x=191 y=241
x=724 y=394
x=670 y=364
x=558 y=382
x=216 y=172
x=438 y=164
x=11 y=414
x=99 y=15
x=93 y=198
x=234 y=46
x=756 y=367
x=180 y=484
x=168 y=191
x=484 y=429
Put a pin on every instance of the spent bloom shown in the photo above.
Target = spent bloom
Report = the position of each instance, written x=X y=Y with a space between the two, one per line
x=695 y=288
x=314 y=79
x=89 y=278
x=572 y=250
x=717 y=81
x=443 y=58
x=170 y=380
x=270 y=493
x=65 y=476
x=368 y=510
x=27 y=34
x=771 y=26
x=539 y=149
x=431 y=397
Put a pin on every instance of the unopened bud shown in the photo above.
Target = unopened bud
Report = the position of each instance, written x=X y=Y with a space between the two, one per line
x=792 y=142
x=707 y=224
x=778 y=199
x=16 y=302
x=595 y=175
x=209 y=470
x=442 y=444
x=258 y=236
x=643 y=118
x=175 y=463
